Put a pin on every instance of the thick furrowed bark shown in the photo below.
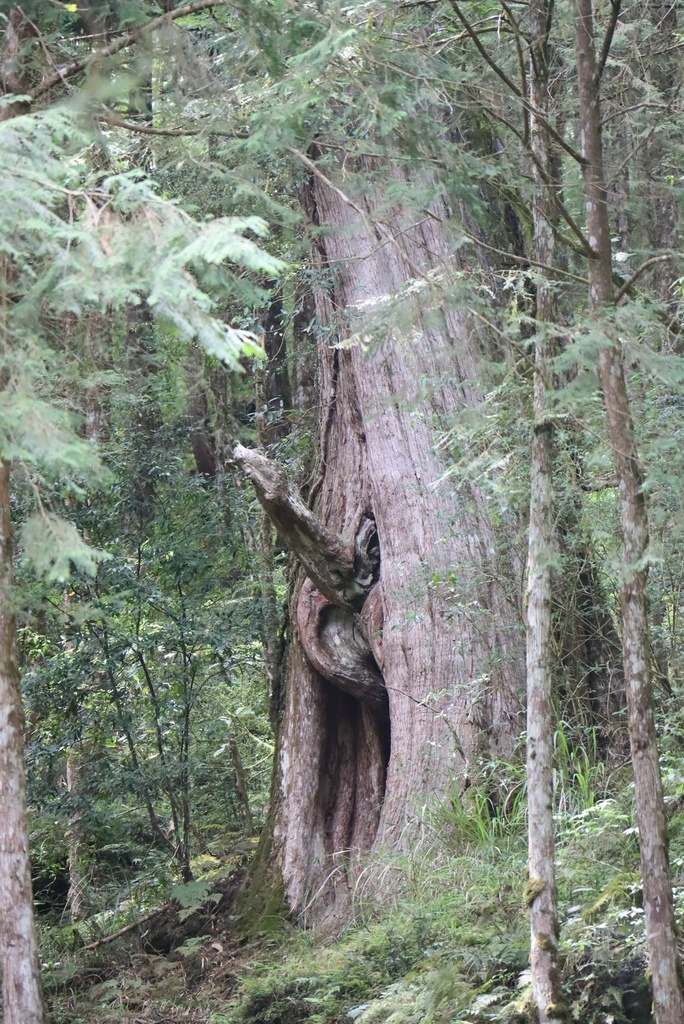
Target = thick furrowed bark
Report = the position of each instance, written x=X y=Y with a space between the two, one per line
x=434 y=629
x=336 y=647
x=333 y=754
x=333 y=747
x=658 y=907
x=441 y=642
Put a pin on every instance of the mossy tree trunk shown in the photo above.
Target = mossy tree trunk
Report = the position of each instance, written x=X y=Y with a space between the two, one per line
x=544 y=930
x=21 y=995
x=658 y=906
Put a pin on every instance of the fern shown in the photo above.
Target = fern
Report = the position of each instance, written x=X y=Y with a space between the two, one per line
x=192 y=896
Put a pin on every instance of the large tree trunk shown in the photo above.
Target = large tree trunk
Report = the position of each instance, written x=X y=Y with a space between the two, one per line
x=658 y=906
x=407 y=663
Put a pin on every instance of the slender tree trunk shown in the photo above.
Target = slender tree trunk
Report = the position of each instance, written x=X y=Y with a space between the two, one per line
x=22 y=1002
x=75 y=839
x=269 y=601
x=125 y=726
x=13 y=76
x=276 y=397
x=241 y=782
x=303 y=349
x=658 y=908
x=541 y=887
x=658 y=163
x=541 y=890
x=202 y=437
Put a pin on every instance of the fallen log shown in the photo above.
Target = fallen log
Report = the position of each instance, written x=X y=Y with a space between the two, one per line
x=129 y=927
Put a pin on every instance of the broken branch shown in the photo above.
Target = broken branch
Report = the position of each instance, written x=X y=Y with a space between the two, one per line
x=341 y=568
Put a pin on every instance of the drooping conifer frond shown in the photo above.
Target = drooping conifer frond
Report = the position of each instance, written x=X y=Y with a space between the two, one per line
x=76 y=242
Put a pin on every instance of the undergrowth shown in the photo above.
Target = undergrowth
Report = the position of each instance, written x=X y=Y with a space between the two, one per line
x=437 y=936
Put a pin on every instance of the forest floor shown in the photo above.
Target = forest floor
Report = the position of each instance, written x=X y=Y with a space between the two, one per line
x=438 y=936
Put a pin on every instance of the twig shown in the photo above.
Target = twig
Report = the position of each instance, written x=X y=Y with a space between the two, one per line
x=435 y=711
x=642 y=142
x=637 y=106
x=48 y=55
x=525 y=261
x=555 y=198
x=521 y=64
x=513 y=87
x=520 y=261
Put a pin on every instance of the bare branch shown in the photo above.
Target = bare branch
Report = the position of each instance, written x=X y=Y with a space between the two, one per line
x=608 y=38
x=525 y=261
x=513 y=87
x=637 y=106
x=586 y=249
x=147 y=129
x=121 y=43
x=521 y=65
x=336 y=565
x=336 y=647
x=129 y=927
x=626 y=286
